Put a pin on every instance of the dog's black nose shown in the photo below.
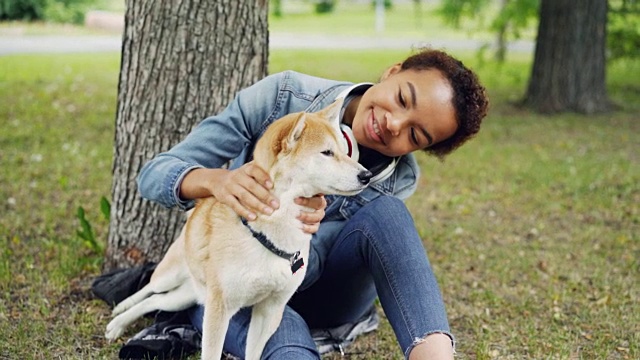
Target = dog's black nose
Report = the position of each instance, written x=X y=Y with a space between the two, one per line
x=365 y=176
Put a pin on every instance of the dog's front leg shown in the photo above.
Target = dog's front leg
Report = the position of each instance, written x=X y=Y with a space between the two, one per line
x=265 y=319
x=215 y=324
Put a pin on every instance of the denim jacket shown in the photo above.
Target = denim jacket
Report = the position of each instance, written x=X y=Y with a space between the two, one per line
x=229 y=137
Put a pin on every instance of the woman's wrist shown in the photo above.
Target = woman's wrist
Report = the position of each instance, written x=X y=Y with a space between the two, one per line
x=197 y=184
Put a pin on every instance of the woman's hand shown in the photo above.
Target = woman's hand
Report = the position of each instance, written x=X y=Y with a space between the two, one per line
x=246 y=189
x=311 y=218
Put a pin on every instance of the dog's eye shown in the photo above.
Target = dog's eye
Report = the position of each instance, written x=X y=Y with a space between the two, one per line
x=327 y=153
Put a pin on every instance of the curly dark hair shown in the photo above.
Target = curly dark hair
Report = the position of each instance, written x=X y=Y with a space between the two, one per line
x=470 y=99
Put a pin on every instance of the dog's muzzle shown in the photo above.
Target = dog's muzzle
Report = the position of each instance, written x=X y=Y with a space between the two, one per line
x=365 y=176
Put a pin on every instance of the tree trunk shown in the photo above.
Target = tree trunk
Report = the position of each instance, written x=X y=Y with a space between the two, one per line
x=501 y=44
x=181 y=61
x=569 y=65
x=501 y=37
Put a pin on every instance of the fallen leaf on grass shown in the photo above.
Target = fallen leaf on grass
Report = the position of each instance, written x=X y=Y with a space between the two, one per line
x=542 y=266
x=587 y=336
x=20 y=279
x=603 y=300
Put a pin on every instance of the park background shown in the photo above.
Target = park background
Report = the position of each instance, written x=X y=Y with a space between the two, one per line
x=532 y=228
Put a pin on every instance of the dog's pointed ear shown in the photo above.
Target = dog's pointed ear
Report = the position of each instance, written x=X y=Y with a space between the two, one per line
x=332 y=112
x=296 y=131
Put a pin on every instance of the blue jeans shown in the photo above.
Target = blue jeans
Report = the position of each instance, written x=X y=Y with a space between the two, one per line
x=378 y=253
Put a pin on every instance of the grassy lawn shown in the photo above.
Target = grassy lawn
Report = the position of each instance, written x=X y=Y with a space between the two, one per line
x=532 y=228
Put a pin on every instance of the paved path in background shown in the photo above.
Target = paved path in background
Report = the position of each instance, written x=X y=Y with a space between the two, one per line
x=22 y=44
x=17 y=43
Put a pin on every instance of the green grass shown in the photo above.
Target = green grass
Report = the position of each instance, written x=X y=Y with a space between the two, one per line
x=532 y=228
x=56 y=122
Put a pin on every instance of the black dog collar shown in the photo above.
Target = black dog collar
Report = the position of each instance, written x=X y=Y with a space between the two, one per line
x=295 y=260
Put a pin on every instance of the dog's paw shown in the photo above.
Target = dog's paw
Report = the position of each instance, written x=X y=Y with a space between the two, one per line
x=114 y=331
x=120 y=308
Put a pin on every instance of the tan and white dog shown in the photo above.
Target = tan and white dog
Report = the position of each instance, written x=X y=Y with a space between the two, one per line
x=225 y=264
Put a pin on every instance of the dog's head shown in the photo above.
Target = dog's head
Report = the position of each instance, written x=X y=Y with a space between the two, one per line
x=305 y=151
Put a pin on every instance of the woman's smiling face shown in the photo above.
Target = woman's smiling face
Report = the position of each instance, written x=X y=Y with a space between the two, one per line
x=406 y=111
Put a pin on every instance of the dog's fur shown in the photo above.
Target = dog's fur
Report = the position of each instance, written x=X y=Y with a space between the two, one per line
x=217 y=262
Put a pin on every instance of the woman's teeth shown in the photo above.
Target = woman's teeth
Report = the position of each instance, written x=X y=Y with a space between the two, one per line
x=376 y=128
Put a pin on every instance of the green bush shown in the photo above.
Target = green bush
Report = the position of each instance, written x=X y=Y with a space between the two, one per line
x=623 y=34
x=61 y=11
x=22 y=9
x=67 y=11
x=387 y=4
x=325 y=6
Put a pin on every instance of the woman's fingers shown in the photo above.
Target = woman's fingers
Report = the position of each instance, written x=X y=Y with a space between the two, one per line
x=258 y=174
x=247 y=191
x=238 y=208
x=317 y=202
x=311 y=229
x=313 y=214
x=257 y=184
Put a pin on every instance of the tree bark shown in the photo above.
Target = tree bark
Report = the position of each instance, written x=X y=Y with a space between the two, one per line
x=569 y=66
x=501 y=36
x=181 y=61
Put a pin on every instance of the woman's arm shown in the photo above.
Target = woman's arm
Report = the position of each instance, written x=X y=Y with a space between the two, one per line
x=194 y=168
x=211 y=145
x=246 y=189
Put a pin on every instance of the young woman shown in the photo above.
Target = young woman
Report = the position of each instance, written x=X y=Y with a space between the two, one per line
x=363 y=247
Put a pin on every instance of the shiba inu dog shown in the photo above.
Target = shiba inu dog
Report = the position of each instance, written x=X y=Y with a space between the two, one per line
x=226 y=263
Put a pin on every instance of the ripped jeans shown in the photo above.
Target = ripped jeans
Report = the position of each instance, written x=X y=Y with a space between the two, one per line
x=378 y=253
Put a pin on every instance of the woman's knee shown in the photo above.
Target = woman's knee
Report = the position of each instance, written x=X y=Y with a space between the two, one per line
x=385 y=206
x=386 y=216
x=292 y=340
x=292 y=352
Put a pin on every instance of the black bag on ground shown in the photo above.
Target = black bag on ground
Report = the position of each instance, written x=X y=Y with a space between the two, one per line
x=119 y=284
x=171 y=336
